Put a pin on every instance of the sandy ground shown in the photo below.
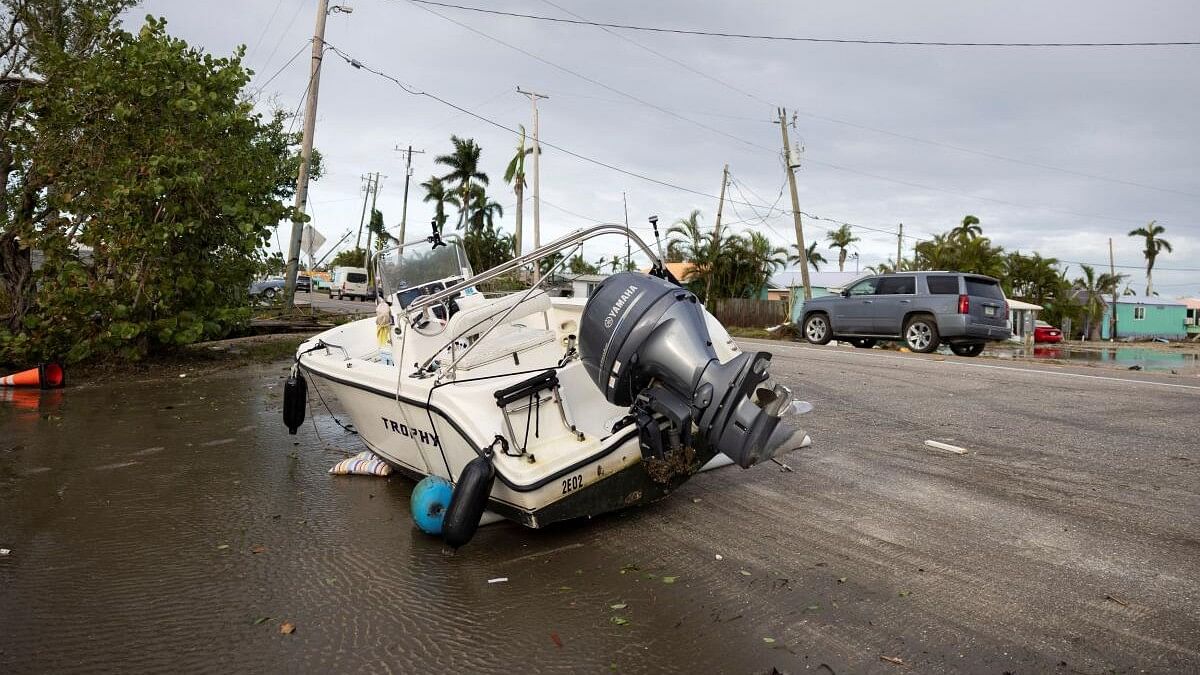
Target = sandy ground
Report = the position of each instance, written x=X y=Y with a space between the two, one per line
x=175 y=525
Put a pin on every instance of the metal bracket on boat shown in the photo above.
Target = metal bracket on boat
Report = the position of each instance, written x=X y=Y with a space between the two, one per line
x=530 y=390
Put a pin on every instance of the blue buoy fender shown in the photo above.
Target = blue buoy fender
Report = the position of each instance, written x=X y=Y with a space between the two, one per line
x=469 y=500
x=429 y=501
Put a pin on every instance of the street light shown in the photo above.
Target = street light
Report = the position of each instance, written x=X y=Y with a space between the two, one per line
x=343 y=9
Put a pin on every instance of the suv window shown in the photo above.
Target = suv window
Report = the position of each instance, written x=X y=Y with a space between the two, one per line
x=864 y=287
x=897 y=286
x=356 y=278
x=984 y=288
x=942 y=285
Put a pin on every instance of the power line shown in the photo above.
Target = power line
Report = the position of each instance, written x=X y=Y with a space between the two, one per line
x=752 y=144
x=790 y=38
x=300 y=51
x=677 y=62
x=591 y=160
x=295 y=15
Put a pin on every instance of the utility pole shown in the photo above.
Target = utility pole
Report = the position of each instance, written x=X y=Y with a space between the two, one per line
x=717 y=227
x=367 y=251
x=310 y=126
x=407 y=175
x=537 y=200
x=899 y=246
x=787 y=157
x=628 y=251
x=1112 y=272
x=370 y=178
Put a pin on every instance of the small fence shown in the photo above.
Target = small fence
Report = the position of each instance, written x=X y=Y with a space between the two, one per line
x=749 y=313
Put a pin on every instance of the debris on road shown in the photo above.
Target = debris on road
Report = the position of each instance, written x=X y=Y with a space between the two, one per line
x=556 y=640
x=287 y=628
x=5 y=551
x=498 y=580
x=892 y=659
x=947 y=447
x=1116 y=600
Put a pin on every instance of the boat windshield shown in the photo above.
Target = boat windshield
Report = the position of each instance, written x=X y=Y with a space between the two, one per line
x=417 y=269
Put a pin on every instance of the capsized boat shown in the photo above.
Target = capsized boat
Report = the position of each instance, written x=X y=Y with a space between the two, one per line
x=538 y=408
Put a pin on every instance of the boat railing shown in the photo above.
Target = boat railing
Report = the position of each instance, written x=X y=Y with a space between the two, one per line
x=573 y=239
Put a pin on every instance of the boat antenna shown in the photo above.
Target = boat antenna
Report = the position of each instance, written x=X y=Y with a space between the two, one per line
x=657 y=239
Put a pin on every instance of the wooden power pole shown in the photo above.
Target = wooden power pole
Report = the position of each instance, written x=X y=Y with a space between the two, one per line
x=787 y=157
x=1112 y=272
x=310 y=127
x=537 y=199
x=899 y=246
x=717 y=227
x=407 y=177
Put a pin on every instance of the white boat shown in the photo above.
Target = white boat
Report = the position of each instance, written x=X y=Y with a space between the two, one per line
x=543 y=409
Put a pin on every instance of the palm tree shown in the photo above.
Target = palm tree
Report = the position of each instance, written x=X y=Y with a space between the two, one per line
x=435 y=191
x=969 y=229
x=1154 y=246
x=464 y=168
x=483 y=211
x=515 y=174
x=693 y=242
x=841 y=239
x=815 y=259
x=1094 y=289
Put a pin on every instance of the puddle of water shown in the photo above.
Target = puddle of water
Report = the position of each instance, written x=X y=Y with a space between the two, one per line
x=1122 y=357
x=144 y=538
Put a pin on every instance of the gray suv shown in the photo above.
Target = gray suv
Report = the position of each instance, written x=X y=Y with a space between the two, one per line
x=923 y=309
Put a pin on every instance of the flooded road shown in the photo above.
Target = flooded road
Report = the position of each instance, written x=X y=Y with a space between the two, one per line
x=1136 y=358
x=172 y=524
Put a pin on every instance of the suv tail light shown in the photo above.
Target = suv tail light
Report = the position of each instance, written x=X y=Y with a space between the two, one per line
x=964 y=304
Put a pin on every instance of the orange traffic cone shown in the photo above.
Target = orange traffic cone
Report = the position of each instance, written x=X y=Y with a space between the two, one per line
x=46 y=376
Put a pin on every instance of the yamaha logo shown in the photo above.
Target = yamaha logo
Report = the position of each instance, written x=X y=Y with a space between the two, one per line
x=619 y=305
x=608 y=322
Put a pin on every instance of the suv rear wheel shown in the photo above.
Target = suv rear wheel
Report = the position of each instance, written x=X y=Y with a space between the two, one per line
x=816 y=329
x=921 y=334
x=974 y=349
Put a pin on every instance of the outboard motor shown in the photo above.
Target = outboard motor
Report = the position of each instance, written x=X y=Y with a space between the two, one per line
x=645 y=343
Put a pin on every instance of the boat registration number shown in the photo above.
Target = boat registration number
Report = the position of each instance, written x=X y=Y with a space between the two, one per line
x=572 y=484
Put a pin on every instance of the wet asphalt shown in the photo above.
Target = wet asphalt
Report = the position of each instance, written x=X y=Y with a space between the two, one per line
x=170 y=523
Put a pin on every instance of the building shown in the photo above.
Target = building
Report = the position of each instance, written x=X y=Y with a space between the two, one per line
x=583 y=285
x=822 y=284
x=1146 y=317
x=1192 y=320
x=1022 y=317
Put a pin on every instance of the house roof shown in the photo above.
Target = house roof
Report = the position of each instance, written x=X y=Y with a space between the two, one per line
x=1192 y=303
x=1020 y=304
x=1147 y=300
x=792 y=278
x=679 y=270
x=590 y=278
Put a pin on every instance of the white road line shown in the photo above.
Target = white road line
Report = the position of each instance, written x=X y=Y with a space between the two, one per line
x=984 y=365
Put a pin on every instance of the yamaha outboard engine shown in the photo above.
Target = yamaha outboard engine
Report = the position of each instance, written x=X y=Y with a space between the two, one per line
x=645 y=343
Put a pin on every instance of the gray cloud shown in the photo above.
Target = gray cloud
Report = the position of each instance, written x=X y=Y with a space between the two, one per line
x=1121 y=113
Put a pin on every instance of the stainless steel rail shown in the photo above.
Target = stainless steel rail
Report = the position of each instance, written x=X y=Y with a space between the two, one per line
x=555 y=246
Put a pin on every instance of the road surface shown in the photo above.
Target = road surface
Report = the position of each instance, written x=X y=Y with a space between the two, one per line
x=173 y=525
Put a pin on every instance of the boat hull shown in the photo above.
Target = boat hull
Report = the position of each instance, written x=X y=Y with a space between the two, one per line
x=420 y=439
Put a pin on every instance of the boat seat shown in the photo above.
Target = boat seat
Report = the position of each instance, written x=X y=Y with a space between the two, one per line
x=502 y=343
x=476 y=320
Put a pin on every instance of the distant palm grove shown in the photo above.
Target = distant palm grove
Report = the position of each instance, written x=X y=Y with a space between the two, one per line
x=722 y=263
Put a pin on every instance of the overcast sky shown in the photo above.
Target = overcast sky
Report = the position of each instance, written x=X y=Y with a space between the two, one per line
x=875 y=122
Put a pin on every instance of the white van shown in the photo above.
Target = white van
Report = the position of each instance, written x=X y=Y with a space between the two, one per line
x=349 y=282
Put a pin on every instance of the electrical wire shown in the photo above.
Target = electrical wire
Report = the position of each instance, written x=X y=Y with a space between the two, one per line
x=790 y=38
x=271 y=79
x=759 y=99
x=355 y=63
x=706 y=127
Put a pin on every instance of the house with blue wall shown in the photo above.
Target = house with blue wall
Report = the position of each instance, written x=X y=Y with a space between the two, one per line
x=822 y=283
x=1147 y=317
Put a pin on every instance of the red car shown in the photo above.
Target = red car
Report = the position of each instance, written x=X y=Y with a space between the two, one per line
x=1044 y=332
